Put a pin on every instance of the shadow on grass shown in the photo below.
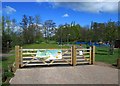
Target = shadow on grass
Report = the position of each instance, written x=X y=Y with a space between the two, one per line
x=102 y=50
x=101 y=53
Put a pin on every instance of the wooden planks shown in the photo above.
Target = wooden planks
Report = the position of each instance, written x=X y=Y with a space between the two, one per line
x=83 y=49
x=24 y=57
x=27 y=57
x=85 y=58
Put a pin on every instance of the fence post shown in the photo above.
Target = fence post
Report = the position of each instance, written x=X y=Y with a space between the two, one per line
x=118 y=63
x=93 y=55
x=16 y=57
x=21 y=59
x=90 y=55
x=73 y=55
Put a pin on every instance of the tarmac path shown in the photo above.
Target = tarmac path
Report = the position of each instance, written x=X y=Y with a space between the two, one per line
x=81 y=74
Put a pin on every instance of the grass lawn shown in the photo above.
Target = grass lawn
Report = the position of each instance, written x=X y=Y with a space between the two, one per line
x=102 y=55
x=44 y=46
x=10 y=60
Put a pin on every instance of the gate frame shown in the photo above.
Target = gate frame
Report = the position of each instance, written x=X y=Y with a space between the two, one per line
x=18 y=56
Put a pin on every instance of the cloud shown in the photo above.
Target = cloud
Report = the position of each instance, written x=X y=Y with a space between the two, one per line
x=75 y=0
x=9 y=10
x=92 y=7
x=65 y=15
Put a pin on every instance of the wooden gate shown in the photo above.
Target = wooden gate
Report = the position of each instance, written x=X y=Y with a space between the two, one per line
x=72 y=56
x=83 y=56
x=26 y=57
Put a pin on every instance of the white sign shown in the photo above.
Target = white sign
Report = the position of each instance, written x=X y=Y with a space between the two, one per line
x=80 y=52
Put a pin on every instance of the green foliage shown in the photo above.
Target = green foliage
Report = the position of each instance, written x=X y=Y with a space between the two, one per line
x=49 y=28
x=10 y=60
x=105 y=31
x=68 y=33
x=98 y=32
x=6 y=68
x=9 y=74
x=6 y=39
x=30 y=32
x=5 y=84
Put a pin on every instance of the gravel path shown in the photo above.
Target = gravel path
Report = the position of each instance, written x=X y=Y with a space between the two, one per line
x=85 y=74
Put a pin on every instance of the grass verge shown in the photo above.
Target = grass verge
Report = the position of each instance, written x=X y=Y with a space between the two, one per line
x=7 y=73
x=102 y=55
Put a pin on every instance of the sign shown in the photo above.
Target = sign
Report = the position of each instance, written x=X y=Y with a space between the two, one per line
x=49 y=54
x=80 y=53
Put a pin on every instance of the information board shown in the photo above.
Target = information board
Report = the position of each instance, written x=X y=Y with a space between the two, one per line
x=49 y=54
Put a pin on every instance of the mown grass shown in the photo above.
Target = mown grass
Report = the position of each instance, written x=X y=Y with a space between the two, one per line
x=103 y=55
x=44 y=46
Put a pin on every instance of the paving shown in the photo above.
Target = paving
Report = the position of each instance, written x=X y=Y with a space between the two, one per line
x=81 y=74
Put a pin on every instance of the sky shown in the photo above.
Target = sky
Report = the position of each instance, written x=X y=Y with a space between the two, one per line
x=63 y=12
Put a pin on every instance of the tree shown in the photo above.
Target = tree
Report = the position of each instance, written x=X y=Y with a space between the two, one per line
x=49 y=28
x=31 y=29
x=3 y=24
x=118 y=30
x=8 y=24
x=24 y=25
x=38 y=29
x=6 y=34
x=111 y=28
x=68 y=32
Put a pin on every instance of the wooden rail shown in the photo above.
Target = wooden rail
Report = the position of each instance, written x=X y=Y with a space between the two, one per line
x=25 y=57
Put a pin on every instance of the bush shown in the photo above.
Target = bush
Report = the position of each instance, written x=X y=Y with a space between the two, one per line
x=6 y=75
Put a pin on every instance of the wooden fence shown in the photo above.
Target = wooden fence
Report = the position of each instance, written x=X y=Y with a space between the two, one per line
x=72 y=56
